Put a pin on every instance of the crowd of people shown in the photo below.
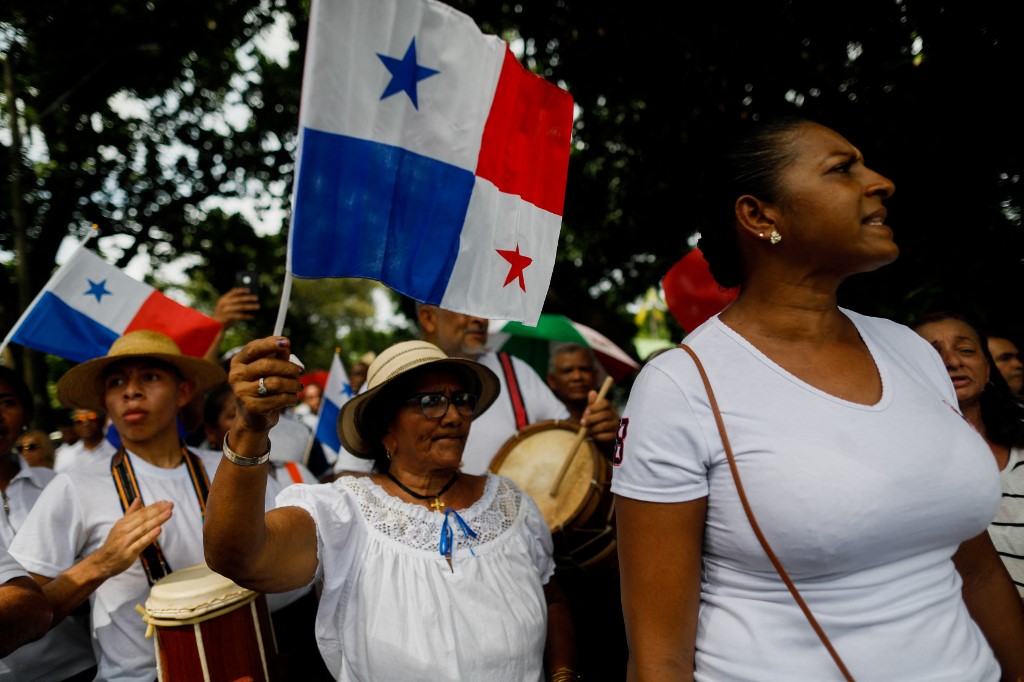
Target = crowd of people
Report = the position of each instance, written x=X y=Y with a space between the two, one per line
x=802 y=493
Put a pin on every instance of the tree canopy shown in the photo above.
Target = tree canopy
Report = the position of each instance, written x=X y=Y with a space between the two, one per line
x=923 y=88
x=926 y=89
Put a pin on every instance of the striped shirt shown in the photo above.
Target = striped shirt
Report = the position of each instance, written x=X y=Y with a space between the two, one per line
x=1007 y=530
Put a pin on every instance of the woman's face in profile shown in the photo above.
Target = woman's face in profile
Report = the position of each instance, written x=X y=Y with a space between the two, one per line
x=960 y=348
x=417 y=441
x=832 y=204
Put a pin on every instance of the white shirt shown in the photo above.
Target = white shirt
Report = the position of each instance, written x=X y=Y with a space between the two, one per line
x=393 y=609
x=20 y=496
x=9 y=568
x=78 y=454
x=863 y=504
x=66 y=649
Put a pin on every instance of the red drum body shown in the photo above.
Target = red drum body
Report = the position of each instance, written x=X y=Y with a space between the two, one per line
x=208 y=628
x=581 y=514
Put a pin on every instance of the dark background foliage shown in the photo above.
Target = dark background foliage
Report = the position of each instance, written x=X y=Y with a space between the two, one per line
x=926 y=88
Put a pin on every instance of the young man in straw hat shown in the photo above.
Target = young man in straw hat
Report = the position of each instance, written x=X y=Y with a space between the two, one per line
x=108 y=529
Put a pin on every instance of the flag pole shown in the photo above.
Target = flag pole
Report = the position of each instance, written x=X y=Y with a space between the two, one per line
x=95 y=230
x=286 y=285
x=282 y=310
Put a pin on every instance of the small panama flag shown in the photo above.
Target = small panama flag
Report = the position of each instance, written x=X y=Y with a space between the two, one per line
x=336 y=392
x=88 y=303
x=429 y=159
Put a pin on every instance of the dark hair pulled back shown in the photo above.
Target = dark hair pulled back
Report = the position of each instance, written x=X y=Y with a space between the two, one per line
x=749 y=161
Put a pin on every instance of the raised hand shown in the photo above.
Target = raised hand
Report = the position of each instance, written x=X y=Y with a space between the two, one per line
x=600 y=418
x=235 y=305
x=265 y=382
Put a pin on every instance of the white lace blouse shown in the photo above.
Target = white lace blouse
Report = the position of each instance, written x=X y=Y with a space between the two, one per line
x=393 y=609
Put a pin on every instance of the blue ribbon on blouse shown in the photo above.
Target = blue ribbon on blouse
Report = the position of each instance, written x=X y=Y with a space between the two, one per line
x=448 y=535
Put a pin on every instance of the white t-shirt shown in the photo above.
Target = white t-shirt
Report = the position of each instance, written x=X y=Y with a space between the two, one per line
x=77 y=454
x=22 y=492
x=72 y=519
x=864 y=506
x=392 y=608
x=1007 y=530
x=65 y=650
x=493 y=428
x=9 y=568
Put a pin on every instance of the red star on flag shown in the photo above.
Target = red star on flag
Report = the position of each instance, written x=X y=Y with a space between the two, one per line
x=517 y=263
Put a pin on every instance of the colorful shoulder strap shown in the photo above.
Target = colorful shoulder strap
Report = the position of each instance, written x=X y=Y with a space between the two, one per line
x=152 y=557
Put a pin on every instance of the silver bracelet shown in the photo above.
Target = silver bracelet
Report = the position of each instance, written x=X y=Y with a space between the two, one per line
x=245 y=461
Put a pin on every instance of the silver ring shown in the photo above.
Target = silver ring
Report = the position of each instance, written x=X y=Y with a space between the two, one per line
x=262 y=390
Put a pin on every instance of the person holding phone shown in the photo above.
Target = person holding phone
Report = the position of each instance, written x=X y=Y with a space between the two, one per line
x=238 y=304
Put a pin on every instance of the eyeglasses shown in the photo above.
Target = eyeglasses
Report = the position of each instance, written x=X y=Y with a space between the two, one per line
x=22 y=447
x=87 y=417
x=435 y=405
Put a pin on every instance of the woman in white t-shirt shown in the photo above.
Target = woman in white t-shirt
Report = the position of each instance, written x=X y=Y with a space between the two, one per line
x=986 y=401
x=871 y=489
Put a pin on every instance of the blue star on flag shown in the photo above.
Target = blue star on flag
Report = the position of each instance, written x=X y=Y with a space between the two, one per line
x=98 y=289
x=405 y=74
x=346 y=390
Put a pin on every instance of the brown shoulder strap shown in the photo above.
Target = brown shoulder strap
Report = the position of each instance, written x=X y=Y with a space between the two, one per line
x=753 y=522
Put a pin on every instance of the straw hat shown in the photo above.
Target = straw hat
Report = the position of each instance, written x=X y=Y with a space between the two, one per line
x=82 y=385
x=392 y=363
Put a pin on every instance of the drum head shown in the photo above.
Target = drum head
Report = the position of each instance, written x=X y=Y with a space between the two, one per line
x=192 y=592
x=533 y=458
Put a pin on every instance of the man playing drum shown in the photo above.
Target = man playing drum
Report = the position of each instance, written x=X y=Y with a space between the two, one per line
x=109 y=529
x=572 y=375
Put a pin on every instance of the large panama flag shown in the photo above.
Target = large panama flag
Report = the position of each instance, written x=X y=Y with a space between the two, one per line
x=89 y=303
x=429 y=159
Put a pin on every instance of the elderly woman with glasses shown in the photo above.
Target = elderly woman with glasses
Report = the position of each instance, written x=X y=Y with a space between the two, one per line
x=428 y=573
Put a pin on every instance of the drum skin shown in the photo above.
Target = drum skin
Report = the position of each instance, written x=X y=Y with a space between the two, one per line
x=580 y=515
x=224 y=626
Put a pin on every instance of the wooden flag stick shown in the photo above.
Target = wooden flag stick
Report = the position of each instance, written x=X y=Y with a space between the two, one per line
x=575 y=447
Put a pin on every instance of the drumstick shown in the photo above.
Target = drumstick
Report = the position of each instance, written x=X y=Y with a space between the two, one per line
x=575 y=447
